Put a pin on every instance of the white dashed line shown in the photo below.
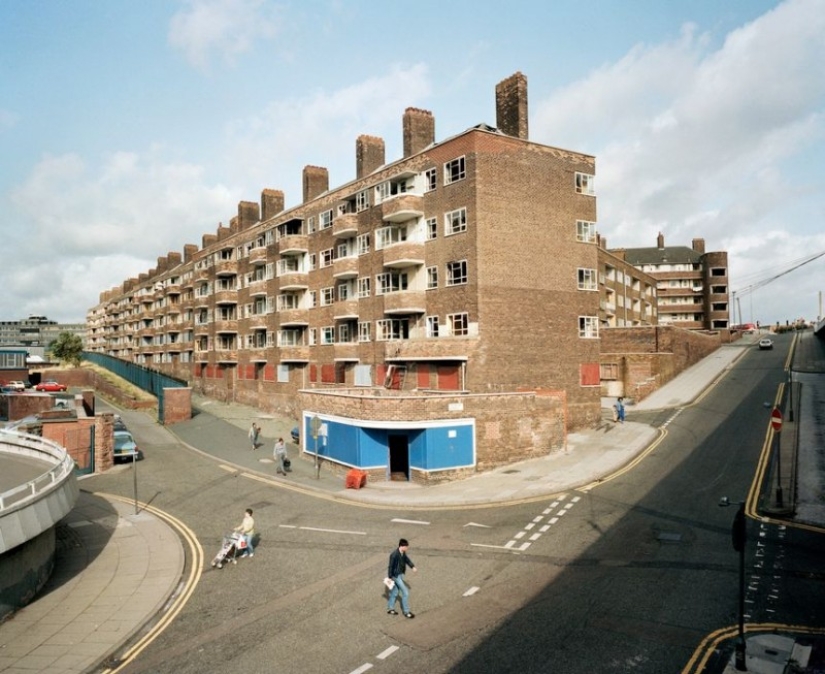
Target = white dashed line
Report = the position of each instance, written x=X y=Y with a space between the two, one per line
x=383 y=655
x=471 y=591
x=400 y=521
x=363 y=668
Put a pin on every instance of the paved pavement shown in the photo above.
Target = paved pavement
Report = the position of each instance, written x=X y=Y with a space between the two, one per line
x=118 y=569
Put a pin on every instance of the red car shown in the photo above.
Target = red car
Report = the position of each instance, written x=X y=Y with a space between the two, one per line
x=50 y=386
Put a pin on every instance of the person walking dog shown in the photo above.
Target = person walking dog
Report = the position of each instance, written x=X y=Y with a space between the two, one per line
x=399 y=561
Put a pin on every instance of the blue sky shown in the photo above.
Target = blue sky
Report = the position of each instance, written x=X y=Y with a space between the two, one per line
x=129 y=129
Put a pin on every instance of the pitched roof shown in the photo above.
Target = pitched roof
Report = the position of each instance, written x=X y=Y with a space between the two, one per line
x=666 y=255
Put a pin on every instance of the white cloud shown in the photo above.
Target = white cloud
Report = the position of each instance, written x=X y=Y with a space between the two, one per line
x=223 y=27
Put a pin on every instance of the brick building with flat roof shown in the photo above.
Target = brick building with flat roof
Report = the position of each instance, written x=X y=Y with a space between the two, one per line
x=436 y=315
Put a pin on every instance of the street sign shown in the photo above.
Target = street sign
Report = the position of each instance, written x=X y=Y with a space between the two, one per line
x=776 y=419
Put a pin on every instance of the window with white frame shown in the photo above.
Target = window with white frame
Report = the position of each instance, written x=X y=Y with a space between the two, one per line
x=290 y=337
x=312 y=224
x=328 y=335
x=346 y=334
x=454 y=171
x=459 y=324
x=431 y=179
x=312 y=262
x=390 y=282
x=288 y=265
x=589 y=327
x=327 y=296
x=432 y=228
x=432 y=326
x=327 y=256
x=344 y=291
x=585 y=231
x=585 y=183
x=386 y=236
x=325 y=219
x=588 y=279
x=364 y=287
x=344 y=249
x=362 y=201
x=313 y=299
x=363 y=244
x=288 y=301
x=364 y=331
x=432 y=278
x=392 y=329
x=457 y=273
x=455 y=221
x=313 y=336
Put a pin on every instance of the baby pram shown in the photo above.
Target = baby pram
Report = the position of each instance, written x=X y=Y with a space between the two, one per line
x=233 y=544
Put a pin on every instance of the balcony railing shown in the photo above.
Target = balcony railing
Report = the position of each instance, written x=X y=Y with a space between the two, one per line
x=293 y=244
x=345 y=267
x=405 y=302
x=345 y=226
x=402 y=207
x=405 y=254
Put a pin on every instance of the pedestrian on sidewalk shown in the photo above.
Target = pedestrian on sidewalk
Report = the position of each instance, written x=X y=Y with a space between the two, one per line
x=620 y=410
x=247 y=530
x=254 y=434
x=399 y=561
x=279 y=453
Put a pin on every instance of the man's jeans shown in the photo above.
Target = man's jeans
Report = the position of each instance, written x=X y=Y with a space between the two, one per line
x=249 y=549
x=405 y=594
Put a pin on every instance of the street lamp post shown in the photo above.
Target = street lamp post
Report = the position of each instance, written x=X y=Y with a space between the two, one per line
x=739 y=538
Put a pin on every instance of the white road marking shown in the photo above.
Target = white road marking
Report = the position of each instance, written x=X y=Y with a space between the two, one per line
x=535 y=537
x=383 y=655
x=476 y=524
x=538 y=519
x=400 y=521
x=471 y=591
x=363 y=668
x=287 y=526
x=545 y=528
x=497 y=547
x=519 y=534
x=529 y=526
x=335 y=531
x=524 y=546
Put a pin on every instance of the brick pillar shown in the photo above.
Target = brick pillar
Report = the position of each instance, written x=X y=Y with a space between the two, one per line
x=511 y=106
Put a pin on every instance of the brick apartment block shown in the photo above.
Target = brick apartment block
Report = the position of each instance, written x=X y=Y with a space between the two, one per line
x=437 y=315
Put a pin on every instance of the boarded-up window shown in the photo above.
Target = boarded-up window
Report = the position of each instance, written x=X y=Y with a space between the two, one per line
x=328 y=373
x=610 y=371
x=313 y=373
x=283 y=373
x=269 y=372
x=448 y=379
x=362 y=375
x=589 y=374
x=423 y=376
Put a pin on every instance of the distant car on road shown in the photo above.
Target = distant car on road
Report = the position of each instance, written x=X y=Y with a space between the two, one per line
x=765 y=343
x=17 y=385
x=51 y=386
x=125 y=446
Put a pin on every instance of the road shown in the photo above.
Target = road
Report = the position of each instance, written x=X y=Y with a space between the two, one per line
x=630 y=576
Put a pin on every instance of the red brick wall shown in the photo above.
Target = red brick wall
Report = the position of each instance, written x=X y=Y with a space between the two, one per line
x=177 y=405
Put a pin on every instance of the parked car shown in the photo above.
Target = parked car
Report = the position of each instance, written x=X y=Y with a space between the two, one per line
x=17 y=385
x=296 y=435
x=50 y=385
x=125 y=446
x=765 y=343
x=118 y=424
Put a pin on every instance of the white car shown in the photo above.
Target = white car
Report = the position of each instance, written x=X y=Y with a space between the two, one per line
x=765 y=343
x=17 y=385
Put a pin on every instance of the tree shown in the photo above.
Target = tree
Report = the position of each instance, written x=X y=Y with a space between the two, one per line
x=67 y=347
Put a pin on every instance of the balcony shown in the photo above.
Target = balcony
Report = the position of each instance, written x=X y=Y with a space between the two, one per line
x=257 y=321
x=345 y=226
x=405 y=254
x=258 y=255
x=228 y=326
x=296 y=280
x=201 y=274
x=257 y=355
x=224 y=267
x=454 y=348
x=345 y=311
x=293 y=318
x=173 y=289
x=293 y=354
x=402 y=207
x=226 y=355
x=404 y=302
x=226 y=297
x=345 y=267
x=293 y=244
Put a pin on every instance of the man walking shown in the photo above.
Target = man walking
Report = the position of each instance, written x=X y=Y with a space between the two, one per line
x=399 y=561
x=254 y=433
x=279 y=453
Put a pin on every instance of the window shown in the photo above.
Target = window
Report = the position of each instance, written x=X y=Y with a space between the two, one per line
x=459 y=324
x=390 y=282
x=287 y=301
x=432 y=228
x=312 y=261
x=312 y=224
x=589 y=327
x=390 y=329
x=585 y=231
x=327 y=256
x=431 y=176
x=328 y=335
x=432 y=326
x=342 y=249
x=455 y=221
x=327 y=296
x=364 y=332
x=313 y=299
x=363 y=243
x=588 y=279
x=325 y=219
x=454 y=171
x=362 y=201
x=343 y=292
x=364 y=287
x=456 y=273
x=386 y=236
x=585 y=183
x=432 y=278
x=313 y=336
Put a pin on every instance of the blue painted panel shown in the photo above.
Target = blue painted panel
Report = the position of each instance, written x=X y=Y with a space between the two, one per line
x=447 y=452
x=374 y=447
x=342 y=443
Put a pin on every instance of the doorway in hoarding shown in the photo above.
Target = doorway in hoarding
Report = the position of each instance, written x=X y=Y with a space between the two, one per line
x=399 y=457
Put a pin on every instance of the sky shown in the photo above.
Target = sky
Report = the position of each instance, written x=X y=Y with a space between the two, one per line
x=130 y=129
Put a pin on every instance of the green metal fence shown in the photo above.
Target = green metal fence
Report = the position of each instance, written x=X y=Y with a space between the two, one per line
x=143 y=377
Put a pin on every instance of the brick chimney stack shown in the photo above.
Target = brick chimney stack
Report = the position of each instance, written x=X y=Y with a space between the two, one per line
x=511 y=106
x=660 y=241
x=189 y=251
x=272 y=203
x=699 y=246
x=419 y=130
x=369 y=155
x=248 y=214
x=316 y=182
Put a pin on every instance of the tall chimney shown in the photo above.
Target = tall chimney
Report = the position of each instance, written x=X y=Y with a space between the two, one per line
x=248 y=214
x=369 y=155
x=660 y=241
x=511 y=106
x=419 y=130
x=316 y=181
x=272 y=203
x=699 y=246
x=189 y=251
